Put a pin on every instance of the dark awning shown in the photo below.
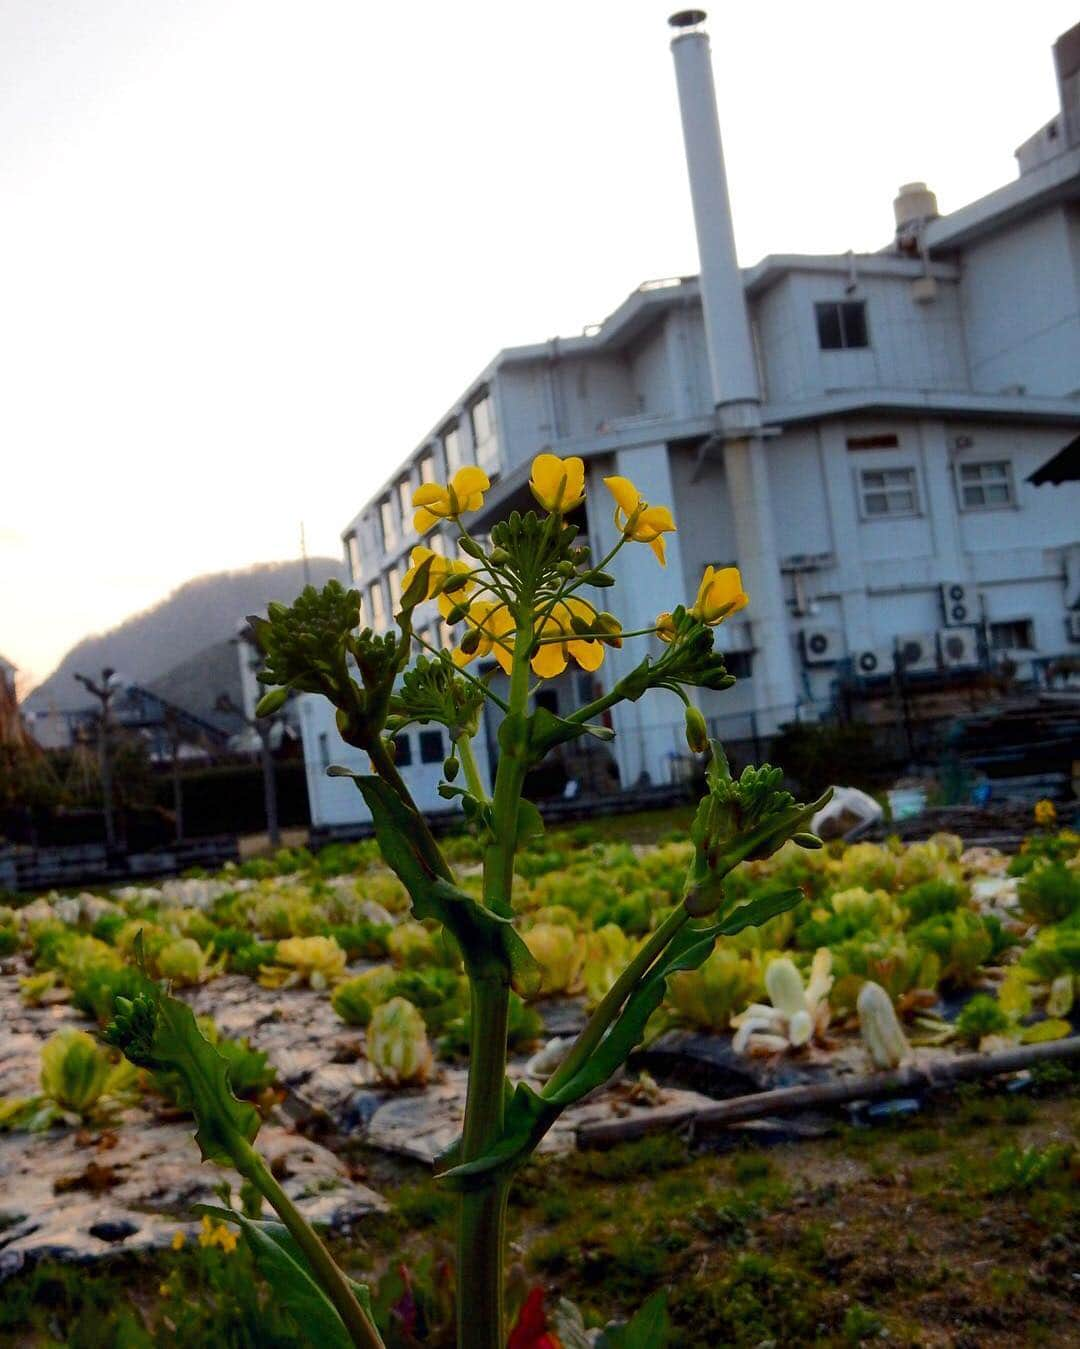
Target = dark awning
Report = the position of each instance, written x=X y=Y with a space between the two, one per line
x=1064 y=467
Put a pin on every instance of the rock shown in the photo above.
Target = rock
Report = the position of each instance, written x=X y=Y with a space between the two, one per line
x=156 y=1178
x=562 y=1016
x=113 y=1229
x=707 y=1063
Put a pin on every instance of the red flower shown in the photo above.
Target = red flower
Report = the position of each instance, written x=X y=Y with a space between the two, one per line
x=530 y=1330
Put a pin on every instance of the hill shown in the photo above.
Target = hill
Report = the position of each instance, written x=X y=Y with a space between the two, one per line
x=172 y=634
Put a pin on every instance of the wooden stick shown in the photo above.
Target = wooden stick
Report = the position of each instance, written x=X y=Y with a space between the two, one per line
x=965 y=1067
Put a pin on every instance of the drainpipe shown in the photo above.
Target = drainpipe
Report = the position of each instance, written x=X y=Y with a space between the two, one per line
x=733 y=372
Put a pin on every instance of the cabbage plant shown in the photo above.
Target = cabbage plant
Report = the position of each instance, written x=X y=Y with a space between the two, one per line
x=526 y=601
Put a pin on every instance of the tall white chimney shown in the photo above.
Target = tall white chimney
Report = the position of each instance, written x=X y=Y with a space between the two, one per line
x=727 y=325
x=733 y=369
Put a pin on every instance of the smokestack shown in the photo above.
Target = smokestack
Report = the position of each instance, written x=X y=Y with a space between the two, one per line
x=727 y=325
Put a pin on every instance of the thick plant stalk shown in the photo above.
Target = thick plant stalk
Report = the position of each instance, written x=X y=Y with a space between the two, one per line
x=481 y=1221
x=325 y=1268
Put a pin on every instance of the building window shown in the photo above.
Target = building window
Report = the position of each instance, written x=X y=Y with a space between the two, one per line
x=402 y=751
x=986 y=487
x=378 y=607
x=451 y=443
x=841 y=325
x=427 y=468
x=739 y=663
x=352 y=552
x=404 y=491
x=482 y=421
x=394 y=578
x=888 y=492
x=1016 y=635
x=388 y=521
x=431 y=747
x=324 y=749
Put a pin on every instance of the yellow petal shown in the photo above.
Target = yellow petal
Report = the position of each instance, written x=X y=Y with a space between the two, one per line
x=461 y=658
x=428 y=493
x=665 y=627
x=424 y=520
x=589 y=655
x=549 y=661
x=505 y=656
x=654 y=520
x=657 y=545
x=468 y=480
x=625 y=493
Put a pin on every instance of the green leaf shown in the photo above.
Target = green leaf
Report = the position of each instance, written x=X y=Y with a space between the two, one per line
x=281 y=1263
x=650 y=1328
x=530 y=823
x=755 y=912
x=179 y=1046
x=529 y=1115
x=488 y=940
x=272 y=702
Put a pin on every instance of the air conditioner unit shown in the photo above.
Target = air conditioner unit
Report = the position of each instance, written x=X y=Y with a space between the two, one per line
x=1072 y=626
x=918 y=652
x=821 y=646
x=957 y=604
x=873 y=663
x=959 y=647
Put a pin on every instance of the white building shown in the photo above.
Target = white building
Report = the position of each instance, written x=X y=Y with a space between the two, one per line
x=857 y=432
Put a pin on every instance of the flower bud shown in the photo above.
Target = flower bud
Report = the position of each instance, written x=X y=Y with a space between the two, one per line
x=697 y=733
x=450 y=768
x=272 y=702
x=500 y=557
x=809 y=841
x=471 y=547
x=454 y=581
x=457 y=613
x=471 y=641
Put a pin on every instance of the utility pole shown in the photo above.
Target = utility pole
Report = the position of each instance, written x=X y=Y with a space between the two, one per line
x=262 y=727
x=103 y=692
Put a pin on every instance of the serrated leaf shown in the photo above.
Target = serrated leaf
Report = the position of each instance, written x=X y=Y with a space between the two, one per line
x=282 y=1264
x=180 y=1046
x=485 y=937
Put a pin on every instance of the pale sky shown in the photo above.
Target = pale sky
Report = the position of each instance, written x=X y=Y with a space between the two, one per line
x=250 y=250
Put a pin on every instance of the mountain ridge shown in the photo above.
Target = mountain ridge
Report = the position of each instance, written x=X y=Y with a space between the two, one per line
x=197 y=615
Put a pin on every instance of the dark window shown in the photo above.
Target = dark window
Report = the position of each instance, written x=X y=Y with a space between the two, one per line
x=431 y=747
x=403 y=751
x=882 y=442
x=888 y=491
x=1016 y=635
x=739 y=663
x=841 y=324
x=548 y=699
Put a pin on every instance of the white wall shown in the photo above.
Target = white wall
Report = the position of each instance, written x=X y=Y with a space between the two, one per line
x=1021 y=299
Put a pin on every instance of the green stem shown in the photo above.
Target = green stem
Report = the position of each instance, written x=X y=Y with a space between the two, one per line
x=608 y=1007
x=334 y=1283
x=463 y=746
x=481 y=1222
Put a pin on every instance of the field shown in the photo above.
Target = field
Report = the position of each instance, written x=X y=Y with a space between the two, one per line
x=346 y=1022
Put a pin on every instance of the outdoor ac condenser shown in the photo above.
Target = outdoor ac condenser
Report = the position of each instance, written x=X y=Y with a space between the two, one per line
x=959 y=647
x=874 y=663
x=957 y=604
x=918 y=652
x=821 y=646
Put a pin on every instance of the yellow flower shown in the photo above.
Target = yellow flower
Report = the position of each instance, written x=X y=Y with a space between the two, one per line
x=179 y=1237
x=495 y=627
x=719 y=594
x=551 y=658
x=435 y=502
x=636 y=519
x=558 y=484
x=1045 y=814
x=211 y=1234
x=442 y=568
